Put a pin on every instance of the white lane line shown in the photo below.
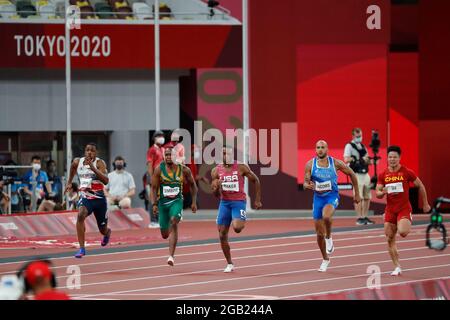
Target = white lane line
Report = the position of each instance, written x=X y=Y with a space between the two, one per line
x=358 y=288
x=302 y=282
x=215 y=251
x=209 y=244
x=240 y=296
x=252 y=256
x=240 y=278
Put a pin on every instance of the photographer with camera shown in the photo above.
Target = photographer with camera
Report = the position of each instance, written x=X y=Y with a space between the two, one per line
x=357 y=157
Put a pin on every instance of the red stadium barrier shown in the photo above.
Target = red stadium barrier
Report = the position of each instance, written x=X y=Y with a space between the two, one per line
x=424 y=290
x=63 y=223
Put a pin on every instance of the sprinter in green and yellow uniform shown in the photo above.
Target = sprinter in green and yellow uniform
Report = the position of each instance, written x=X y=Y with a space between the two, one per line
x=167 y=197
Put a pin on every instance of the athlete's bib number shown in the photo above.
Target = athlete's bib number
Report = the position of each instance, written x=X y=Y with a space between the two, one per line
x=230 y=186
x=323 y=186
x=394 y=187
x=170 y=192
x=85 y=183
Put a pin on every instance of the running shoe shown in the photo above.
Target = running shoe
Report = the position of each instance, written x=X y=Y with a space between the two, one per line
x=80 y=253
x=171 y=261
x=153 y=225
x=368 y=221
x=360 y=221
x=229 y=268
x=396 y=272
x=324 y=265
x=106 y=238
x=330 y=246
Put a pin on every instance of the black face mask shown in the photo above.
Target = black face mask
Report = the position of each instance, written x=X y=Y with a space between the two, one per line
x=119 y=166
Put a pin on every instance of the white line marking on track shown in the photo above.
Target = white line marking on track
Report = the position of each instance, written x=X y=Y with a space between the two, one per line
x=208 y=244
x=358 y=288
x=242 y=278
x=249 y=257
x=214 y=251
x=300 y=282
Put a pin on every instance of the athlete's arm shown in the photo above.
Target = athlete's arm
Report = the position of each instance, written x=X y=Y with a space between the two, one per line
x=215 y=182
x=380 y=191
x=193 y=187
x=349 y=172
x=155 y=187
x=150 y=168
x=251 y=176
x=72 y=173
x=423 y=193
x=100 y=171
x=307 y=183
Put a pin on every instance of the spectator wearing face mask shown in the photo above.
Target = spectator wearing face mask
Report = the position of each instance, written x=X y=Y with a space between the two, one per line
x=121 y=187
x=155 y=155
x=36 y=179
x=357 y=157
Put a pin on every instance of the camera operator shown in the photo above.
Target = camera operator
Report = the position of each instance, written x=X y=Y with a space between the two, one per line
x=357 y=157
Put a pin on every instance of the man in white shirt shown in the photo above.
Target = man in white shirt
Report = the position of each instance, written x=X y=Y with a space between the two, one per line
x=357 y=157
x=121 y=187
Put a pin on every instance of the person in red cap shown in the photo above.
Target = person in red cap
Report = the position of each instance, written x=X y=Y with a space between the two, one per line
x=40 y=279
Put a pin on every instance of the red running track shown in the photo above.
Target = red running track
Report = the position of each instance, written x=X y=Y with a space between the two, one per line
x=275 y=268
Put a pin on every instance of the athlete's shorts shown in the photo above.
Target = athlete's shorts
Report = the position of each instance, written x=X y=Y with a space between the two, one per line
x=168 y=210
x=231 y=210
x=97 y=206
x=320 y=202
x=394 y=218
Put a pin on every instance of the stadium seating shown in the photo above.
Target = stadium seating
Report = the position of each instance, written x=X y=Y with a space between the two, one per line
x=86 y=9
x=7 y=9
x=142 y=11
x=104 y=10
x=165 y=13
x=122 y=9
x=25 y=8
x=45 y=9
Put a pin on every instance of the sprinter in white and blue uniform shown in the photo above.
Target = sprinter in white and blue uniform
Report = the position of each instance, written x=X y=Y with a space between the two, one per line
x=93 y=177
x=321 y=177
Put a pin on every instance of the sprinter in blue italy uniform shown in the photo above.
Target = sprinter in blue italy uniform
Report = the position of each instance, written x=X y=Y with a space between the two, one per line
x=321 y=177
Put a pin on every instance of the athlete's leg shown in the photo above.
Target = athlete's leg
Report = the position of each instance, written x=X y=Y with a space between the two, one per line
x=165 y=233
x=164 y=220
x=173 y=237
x=223 y=236
x=238 y=225
x=327 y=214
x=390 y=230
x=81 y=229
x=320 y=230
x=403 y=227
x=238 y=215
